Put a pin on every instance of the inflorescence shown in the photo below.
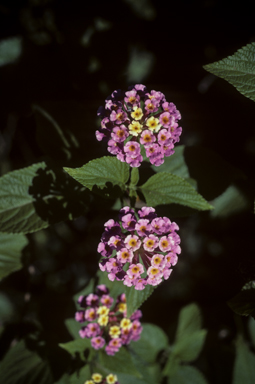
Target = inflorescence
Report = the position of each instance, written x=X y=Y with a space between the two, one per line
x=140 y=249
x=107 y=323
x=136 y=119
x=97 y=378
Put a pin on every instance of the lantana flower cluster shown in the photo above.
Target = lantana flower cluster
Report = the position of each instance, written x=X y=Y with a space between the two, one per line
x=138 y=118
x=106 y=322
x=97 y=378
x=139 y=249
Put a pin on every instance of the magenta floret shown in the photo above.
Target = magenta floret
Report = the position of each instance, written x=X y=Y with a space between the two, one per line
x=135 y=119
x=144 y=251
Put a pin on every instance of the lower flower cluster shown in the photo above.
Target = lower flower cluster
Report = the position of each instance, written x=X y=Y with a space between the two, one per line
x=97 y=378
x=106 y=322
x=140 y=249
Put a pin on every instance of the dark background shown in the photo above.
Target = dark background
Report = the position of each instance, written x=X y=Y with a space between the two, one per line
x=74 y=54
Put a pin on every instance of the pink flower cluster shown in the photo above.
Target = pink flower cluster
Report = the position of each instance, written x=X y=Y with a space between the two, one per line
x=136 y=119
x=140 y=249
x=106 y=321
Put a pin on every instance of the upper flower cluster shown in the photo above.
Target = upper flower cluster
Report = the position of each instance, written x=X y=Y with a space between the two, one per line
x=139 y=118
x=107 y=321
x=97 y=378
x=139 y=249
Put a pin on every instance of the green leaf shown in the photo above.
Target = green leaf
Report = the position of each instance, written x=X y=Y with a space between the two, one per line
x=121 y=363
x=136 y=298
x=17 y=211
x=244 y=302
x=200 y=167
x=171 y=365
x=244 y=367
x=152 y=341
x=79 y=377
x=22 y=366
x=134 y=176
x=101 y=171
x=10 y=252
x=188 y=348
x=238 y=70
x=232 y=201
x=76 y=346
x=7 y=309
x=251 y=326
x=190 y=321
x=10 y=50
x=73 y=327
x=189 y=336
x=187 y=375
x=175 y=163
x=166 y=188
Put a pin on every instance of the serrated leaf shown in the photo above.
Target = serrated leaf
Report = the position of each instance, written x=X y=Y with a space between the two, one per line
x=190 y=321
x=11 y=246
x=101 y=171
x=238 y=70
x=166 y=188
x=152 y=340
x=188 y=349
x=136 y=298
x=76 y=346
x=244 y=367
x=17 y=212
x=187 y=375
x=23 y=366
x=244 y=302
x=200 y=167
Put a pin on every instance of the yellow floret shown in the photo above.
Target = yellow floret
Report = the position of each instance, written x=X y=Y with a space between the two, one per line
x=125 y=324
x=153 y=124
x=137 y=113
x=103 y=310
x=122 y=307
x=111 y=379
x=97 y=378
x=114 y=331
x=103 y=320
x=135 y=127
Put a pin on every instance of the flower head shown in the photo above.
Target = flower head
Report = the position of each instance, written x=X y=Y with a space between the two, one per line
x=140 y=117
x=106 y=323
x=151 y=248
